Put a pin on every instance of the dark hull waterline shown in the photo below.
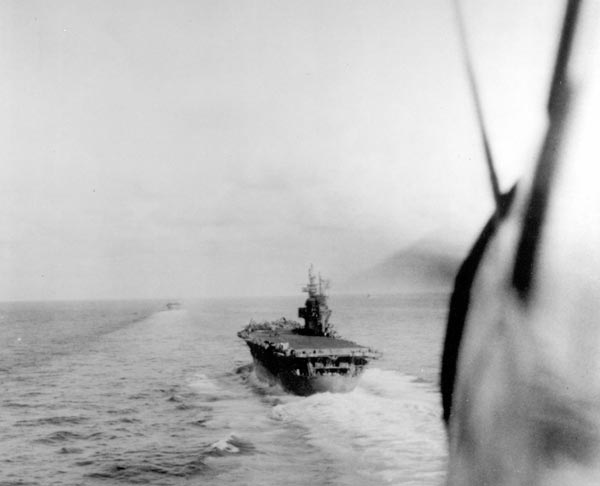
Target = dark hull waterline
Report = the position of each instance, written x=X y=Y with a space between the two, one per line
x=305 y=385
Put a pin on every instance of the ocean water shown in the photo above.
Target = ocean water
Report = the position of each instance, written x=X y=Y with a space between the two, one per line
x=103 y=393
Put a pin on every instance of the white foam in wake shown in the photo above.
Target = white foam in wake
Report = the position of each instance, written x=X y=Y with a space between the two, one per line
x=388 y=429
x=203 y=384
x=225 y=445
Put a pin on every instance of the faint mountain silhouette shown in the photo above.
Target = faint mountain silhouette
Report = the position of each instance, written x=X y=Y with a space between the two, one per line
x=426 y=265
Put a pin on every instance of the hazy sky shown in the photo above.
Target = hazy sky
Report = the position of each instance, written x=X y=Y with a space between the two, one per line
x=194 y=148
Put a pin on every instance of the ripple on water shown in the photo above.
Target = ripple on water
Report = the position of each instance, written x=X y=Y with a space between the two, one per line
x=18 y=482
x=129 y=420
x=70 y=450
x=60 y=420
x=61 y=436
x=122 y=411
x=11 y=404
x=141 y=467
x=200 y=422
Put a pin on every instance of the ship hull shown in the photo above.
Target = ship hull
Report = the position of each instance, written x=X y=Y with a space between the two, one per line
x=306 y=385
x=307 y=375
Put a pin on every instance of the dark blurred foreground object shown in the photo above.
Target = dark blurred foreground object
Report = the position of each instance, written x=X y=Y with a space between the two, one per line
x=520 y=374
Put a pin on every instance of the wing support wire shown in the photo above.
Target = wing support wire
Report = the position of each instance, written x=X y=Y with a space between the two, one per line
x=478 y=106
x=559 y=104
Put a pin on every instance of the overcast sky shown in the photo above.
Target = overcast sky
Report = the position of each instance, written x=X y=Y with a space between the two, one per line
x=202 y=148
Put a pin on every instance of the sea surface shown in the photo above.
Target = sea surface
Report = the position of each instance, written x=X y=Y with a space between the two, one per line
x=108 y=393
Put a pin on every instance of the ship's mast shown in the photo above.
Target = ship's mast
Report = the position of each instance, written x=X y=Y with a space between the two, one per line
x=312 y=288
